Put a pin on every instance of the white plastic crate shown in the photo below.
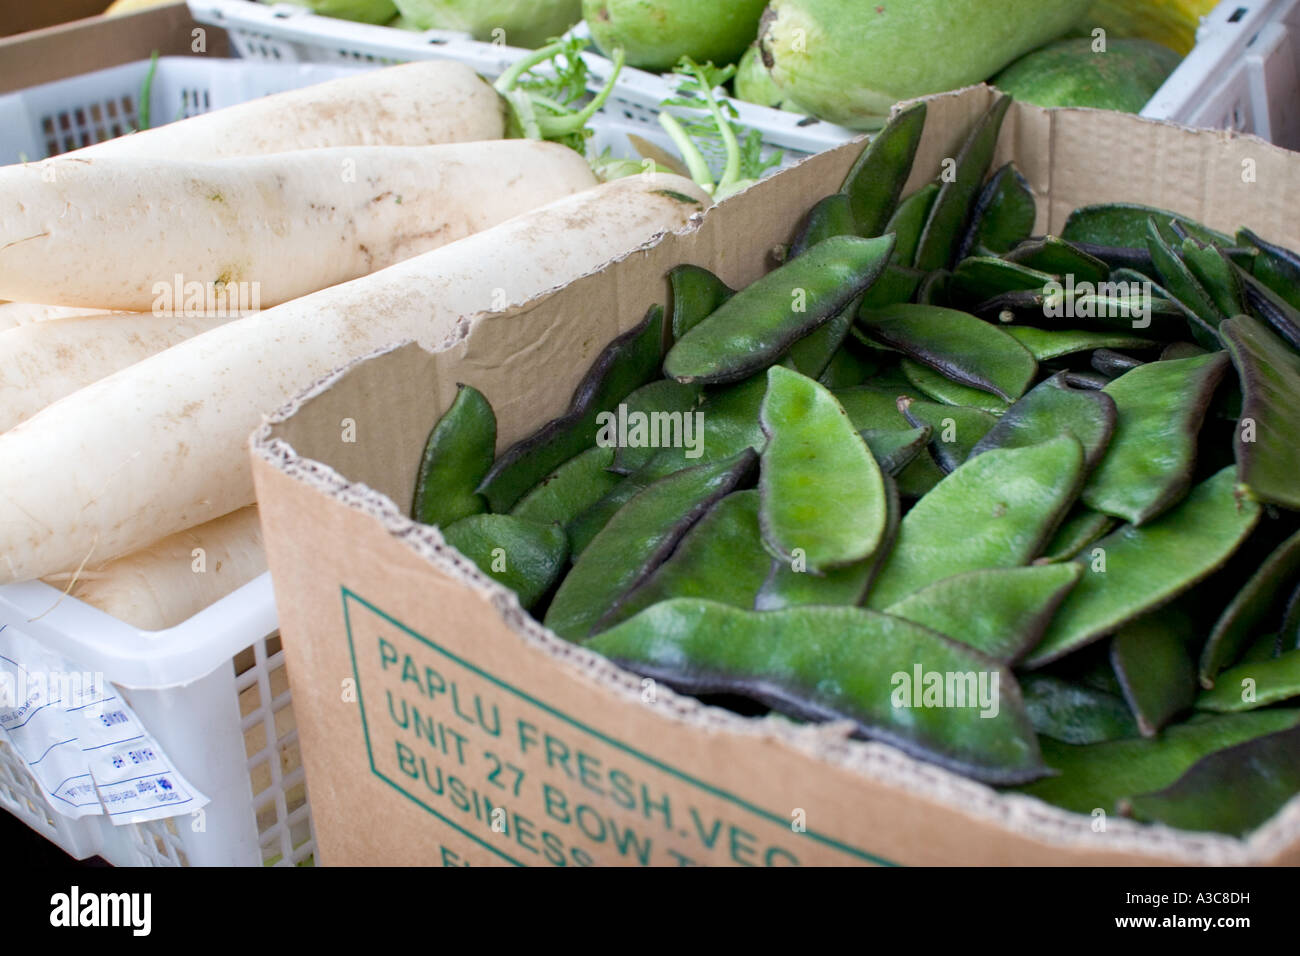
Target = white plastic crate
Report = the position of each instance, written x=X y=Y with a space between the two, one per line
x=1244 y=73
x=213 y=690
x=288 y=33
x=71 y=113
x=214 y=693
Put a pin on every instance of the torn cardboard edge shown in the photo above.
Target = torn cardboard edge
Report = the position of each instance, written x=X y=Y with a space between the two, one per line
x=1068 y=157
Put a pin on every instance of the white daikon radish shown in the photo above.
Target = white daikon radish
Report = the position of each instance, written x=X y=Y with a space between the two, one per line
x=161 y=446
x=40 y=362
x=14 y=314
x=170 y=581
x=132 y=234
x=415 y=104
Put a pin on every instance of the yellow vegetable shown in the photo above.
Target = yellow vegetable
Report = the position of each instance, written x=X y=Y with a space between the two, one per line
x=130 y=6
x=1171 y=22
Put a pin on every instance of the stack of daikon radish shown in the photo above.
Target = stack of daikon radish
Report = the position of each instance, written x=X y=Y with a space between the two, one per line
x=170 y=287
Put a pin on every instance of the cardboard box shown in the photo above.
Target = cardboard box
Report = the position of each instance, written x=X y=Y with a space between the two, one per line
x=427 y=698
x=17 y=16
x=54 y=52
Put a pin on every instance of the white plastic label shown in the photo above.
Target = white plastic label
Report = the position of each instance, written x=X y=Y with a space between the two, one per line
x=83 y=744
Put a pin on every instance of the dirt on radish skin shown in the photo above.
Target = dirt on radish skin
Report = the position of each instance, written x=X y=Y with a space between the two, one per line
x=40 y=362
x=114 y=233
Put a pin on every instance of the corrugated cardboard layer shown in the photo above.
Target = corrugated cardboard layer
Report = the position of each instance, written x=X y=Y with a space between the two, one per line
x=440 y=724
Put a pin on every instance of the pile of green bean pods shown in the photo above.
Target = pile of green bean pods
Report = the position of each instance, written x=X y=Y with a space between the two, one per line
x=1025 y=507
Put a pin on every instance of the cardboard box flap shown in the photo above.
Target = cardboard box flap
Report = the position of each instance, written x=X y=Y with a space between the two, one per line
x=317 y=483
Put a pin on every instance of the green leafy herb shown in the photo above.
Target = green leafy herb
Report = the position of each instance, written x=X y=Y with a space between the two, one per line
x=545 y=88
x=721 y=156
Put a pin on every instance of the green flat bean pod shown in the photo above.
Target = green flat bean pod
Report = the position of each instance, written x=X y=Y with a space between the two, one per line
x=956 y=429
x=1252 y=610
x=1263 y=303
x=697 y=292
x=755 y=327
x=822 y=492
x=1116 y=258
x=1086 y=380
x=830 y=216
x=1216 y=274
x=871 y=408
x=1267 y=453
x=589 y=522
x=651 y=411
x=896 y=284
x=908 y=221
x=1081 y=527
x=944 y=390
x=786 y=587
x=627 y=363
x=953 y=208
x=1105 y=312
x=894 y=448
x=1125 y=225
x=1233 y=791
x=637 y=539
x=933 y=289
x=1054 y=408
x=956 y=344
x=1048 y=344
x=457 y=454
x=995 y=511
x=1254 y=684
x=812 y=353
x=1000 y=612
x=1100 y=775
x=1004 y=214
x=1154 y=668
x=1073 y=713
x=1266 y=647
x=848 y=367
x=979 y=278
x=1113 y=364
x=840 y=663
x=721 y=558
x=571 y=489
x=1275 y=266
x=526 y=557
x=876 y=180
x=1179 y=280
x=730 y=417
x=1288 y=638
x=1146 y=567
x=1059 y=258
x=1152 y=456
x=1178 y=350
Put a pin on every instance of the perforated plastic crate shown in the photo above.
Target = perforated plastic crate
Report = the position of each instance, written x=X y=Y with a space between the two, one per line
x=214 y=693
x=213 y=690
x=1244 y=73
x=287 y=33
